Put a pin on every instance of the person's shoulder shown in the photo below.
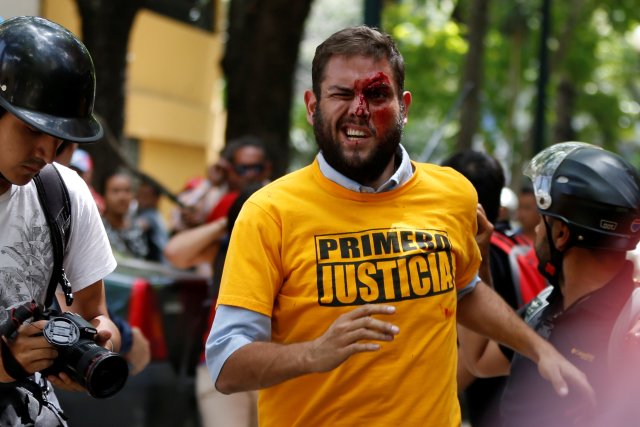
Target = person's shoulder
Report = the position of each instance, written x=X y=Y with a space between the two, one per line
x=69 y=176
x=76 y=186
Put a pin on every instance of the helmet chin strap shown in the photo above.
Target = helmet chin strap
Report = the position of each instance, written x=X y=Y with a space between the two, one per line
x=552 y=269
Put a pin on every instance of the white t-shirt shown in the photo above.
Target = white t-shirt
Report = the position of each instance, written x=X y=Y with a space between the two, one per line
x=26 y=254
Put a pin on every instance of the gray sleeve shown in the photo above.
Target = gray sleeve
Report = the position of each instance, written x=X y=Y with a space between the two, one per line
x=468 y=288
x=232 y=328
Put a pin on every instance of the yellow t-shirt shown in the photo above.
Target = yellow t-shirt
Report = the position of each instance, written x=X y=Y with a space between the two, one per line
x=305 y=250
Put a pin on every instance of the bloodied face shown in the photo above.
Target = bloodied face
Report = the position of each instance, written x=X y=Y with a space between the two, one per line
x=359 y=117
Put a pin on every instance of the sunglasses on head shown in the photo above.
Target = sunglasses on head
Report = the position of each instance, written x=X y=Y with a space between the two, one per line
x=245 y=169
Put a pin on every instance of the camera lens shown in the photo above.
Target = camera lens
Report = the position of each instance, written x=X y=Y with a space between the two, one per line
x=104 y=372
x=106 y=375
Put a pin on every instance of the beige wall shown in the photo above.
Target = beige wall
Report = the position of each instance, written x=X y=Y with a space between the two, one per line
x=173 y=94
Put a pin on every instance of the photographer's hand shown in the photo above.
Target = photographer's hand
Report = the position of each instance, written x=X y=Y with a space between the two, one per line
x=140 y=353
x=30 y=349
x=64 y=382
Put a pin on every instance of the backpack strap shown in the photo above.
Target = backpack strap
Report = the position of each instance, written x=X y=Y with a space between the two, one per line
x=56 y=204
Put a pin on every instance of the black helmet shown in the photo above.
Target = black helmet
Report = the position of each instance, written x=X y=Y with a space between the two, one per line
x=594 y=191
x=47 y=79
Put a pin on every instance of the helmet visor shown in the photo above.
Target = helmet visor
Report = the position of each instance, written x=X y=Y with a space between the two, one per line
x=543 y=166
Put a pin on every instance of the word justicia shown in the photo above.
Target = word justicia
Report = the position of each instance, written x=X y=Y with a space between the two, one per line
x=383 y=265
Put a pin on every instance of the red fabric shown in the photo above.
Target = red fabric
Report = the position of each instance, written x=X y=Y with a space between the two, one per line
x=221 y=209
x=531 y=281
x=143 y=313
x=192 y=183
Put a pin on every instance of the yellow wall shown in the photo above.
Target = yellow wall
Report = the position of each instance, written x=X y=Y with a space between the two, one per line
x=173 y=94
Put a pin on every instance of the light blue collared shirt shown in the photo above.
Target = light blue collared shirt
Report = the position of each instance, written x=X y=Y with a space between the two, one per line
x=235 y=327
x=399 y=177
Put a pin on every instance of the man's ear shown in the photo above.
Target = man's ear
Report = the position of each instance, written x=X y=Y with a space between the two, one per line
x=311 y=102
x=561 y=234
x=406 y=99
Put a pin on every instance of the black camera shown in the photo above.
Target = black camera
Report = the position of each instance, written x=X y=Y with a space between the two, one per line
x=102 y=372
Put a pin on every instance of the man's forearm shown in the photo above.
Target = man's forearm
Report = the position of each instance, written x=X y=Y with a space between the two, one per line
x=262 y=364
x=190 y=247
x=485 y=312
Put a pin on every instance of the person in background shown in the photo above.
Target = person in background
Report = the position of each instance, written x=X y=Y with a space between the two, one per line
x=247 y=161
x=199 y=196
x=527 y=213
x=82 y=163
x=247 y=164
x=126 y=235
x=150 y=219
x=343 y=280
x=47 y=97
x=589 y=200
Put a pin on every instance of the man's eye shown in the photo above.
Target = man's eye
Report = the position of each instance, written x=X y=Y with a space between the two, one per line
x=380 y=93
x=342 y=95
x=34 y=131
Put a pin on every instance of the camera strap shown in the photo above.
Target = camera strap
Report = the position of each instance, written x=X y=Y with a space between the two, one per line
x=56 y=204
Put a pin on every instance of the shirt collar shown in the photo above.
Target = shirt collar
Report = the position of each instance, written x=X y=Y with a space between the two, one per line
x=402 y=174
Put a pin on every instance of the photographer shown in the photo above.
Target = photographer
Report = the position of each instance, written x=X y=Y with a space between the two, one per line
x=47 y=89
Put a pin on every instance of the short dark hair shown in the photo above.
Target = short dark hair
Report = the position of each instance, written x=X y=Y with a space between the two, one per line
x=485 y=173
x=354 y=41
x=235 y=144
x=119 y=171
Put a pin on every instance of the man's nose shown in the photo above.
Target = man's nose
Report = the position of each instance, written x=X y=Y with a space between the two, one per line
x=359 y=106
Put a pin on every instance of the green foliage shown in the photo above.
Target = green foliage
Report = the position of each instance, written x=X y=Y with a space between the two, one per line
x=434 y=47
x=588 y=46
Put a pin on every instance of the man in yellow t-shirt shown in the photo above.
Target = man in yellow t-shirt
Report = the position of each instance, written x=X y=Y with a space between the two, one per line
x=343 y=280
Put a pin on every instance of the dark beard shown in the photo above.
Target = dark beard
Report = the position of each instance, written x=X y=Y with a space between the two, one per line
x=362 y=170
